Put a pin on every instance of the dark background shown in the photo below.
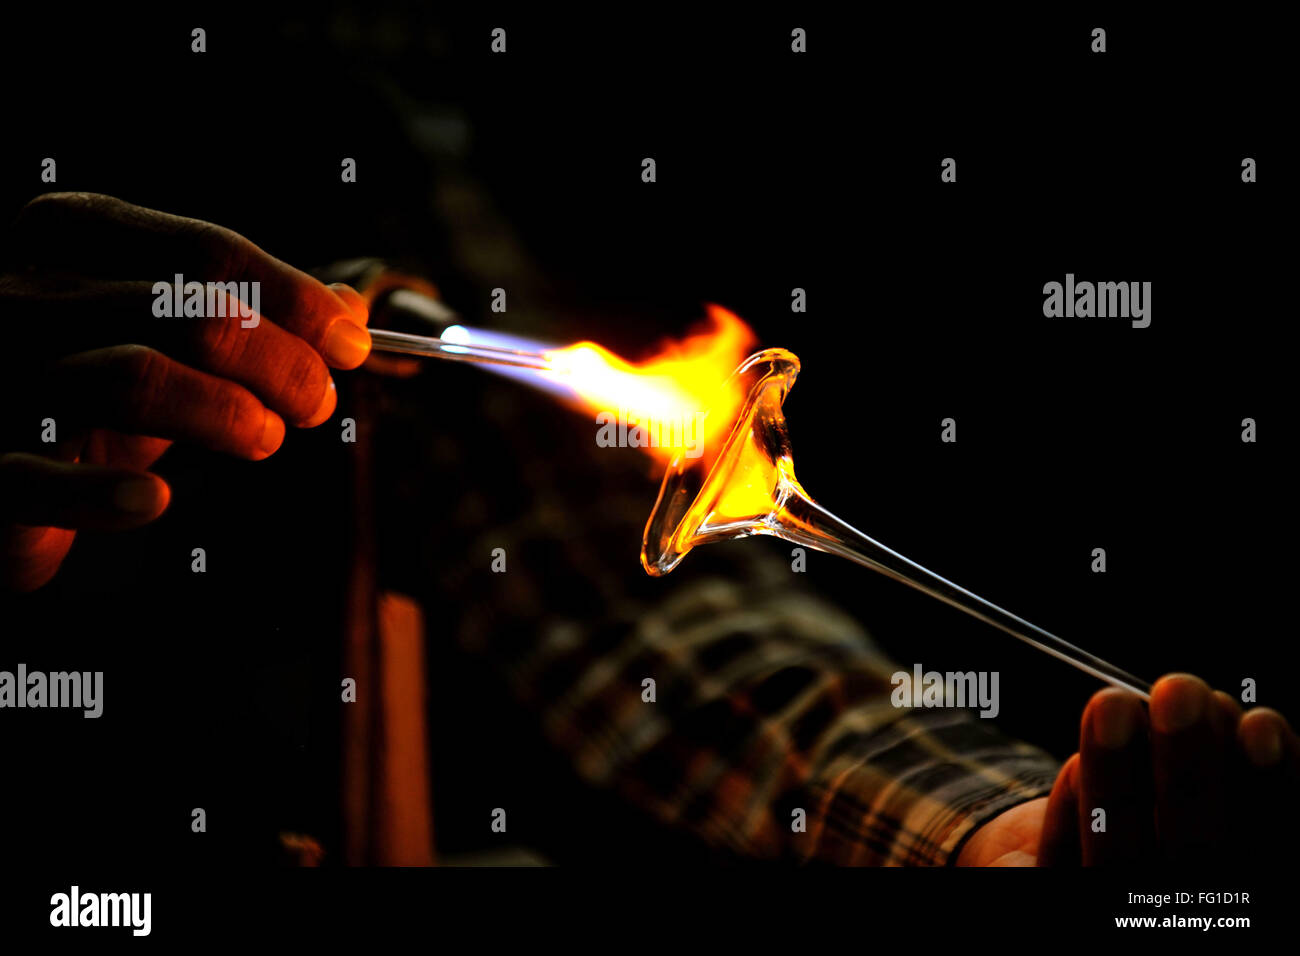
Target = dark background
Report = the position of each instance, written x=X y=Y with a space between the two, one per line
x=774 y=171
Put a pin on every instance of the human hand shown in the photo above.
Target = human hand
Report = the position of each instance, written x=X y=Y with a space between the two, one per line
x=1194 y=780
x=122 y=384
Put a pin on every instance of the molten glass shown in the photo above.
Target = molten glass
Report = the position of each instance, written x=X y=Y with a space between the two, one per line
x=749 y=487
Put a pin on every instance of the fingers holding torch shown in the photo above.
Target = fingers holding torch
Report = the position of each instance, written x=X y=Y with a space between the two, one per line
x=118 y=374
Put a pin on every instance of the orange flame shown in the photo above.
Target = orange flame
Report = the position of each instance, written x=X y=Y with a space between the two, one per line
x=676 y=398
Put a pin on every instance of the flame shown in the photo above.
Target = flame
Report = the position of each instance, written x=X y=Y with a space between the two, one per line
x=677 y=397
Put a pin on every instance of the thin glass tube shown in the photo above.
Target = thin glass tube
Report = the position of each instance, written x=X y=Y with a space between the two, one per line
x=385 y=340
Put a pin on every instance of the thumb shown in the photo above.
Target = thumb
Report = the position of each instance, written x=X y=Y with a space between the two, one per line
x=1059 y=845
x=41 y=492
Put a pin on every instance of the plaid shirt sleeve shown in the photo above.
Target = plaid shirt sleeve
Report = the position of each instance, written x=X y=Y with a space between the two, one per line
x=766 y=702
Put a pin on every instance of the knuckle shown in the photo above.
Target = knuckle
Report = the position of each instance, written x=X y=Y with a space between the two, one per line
x=140 y=362
x=54 y=204
x=237 y=414
x=223 y=251
x=145 y=372
x=304 y=381
x=1262 y=713
x=217 y=338
x=306 y=302
x=48 y=202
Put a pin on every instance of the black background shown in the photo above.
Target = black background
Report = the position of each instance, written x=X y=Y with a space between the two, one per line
x=774 y=171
